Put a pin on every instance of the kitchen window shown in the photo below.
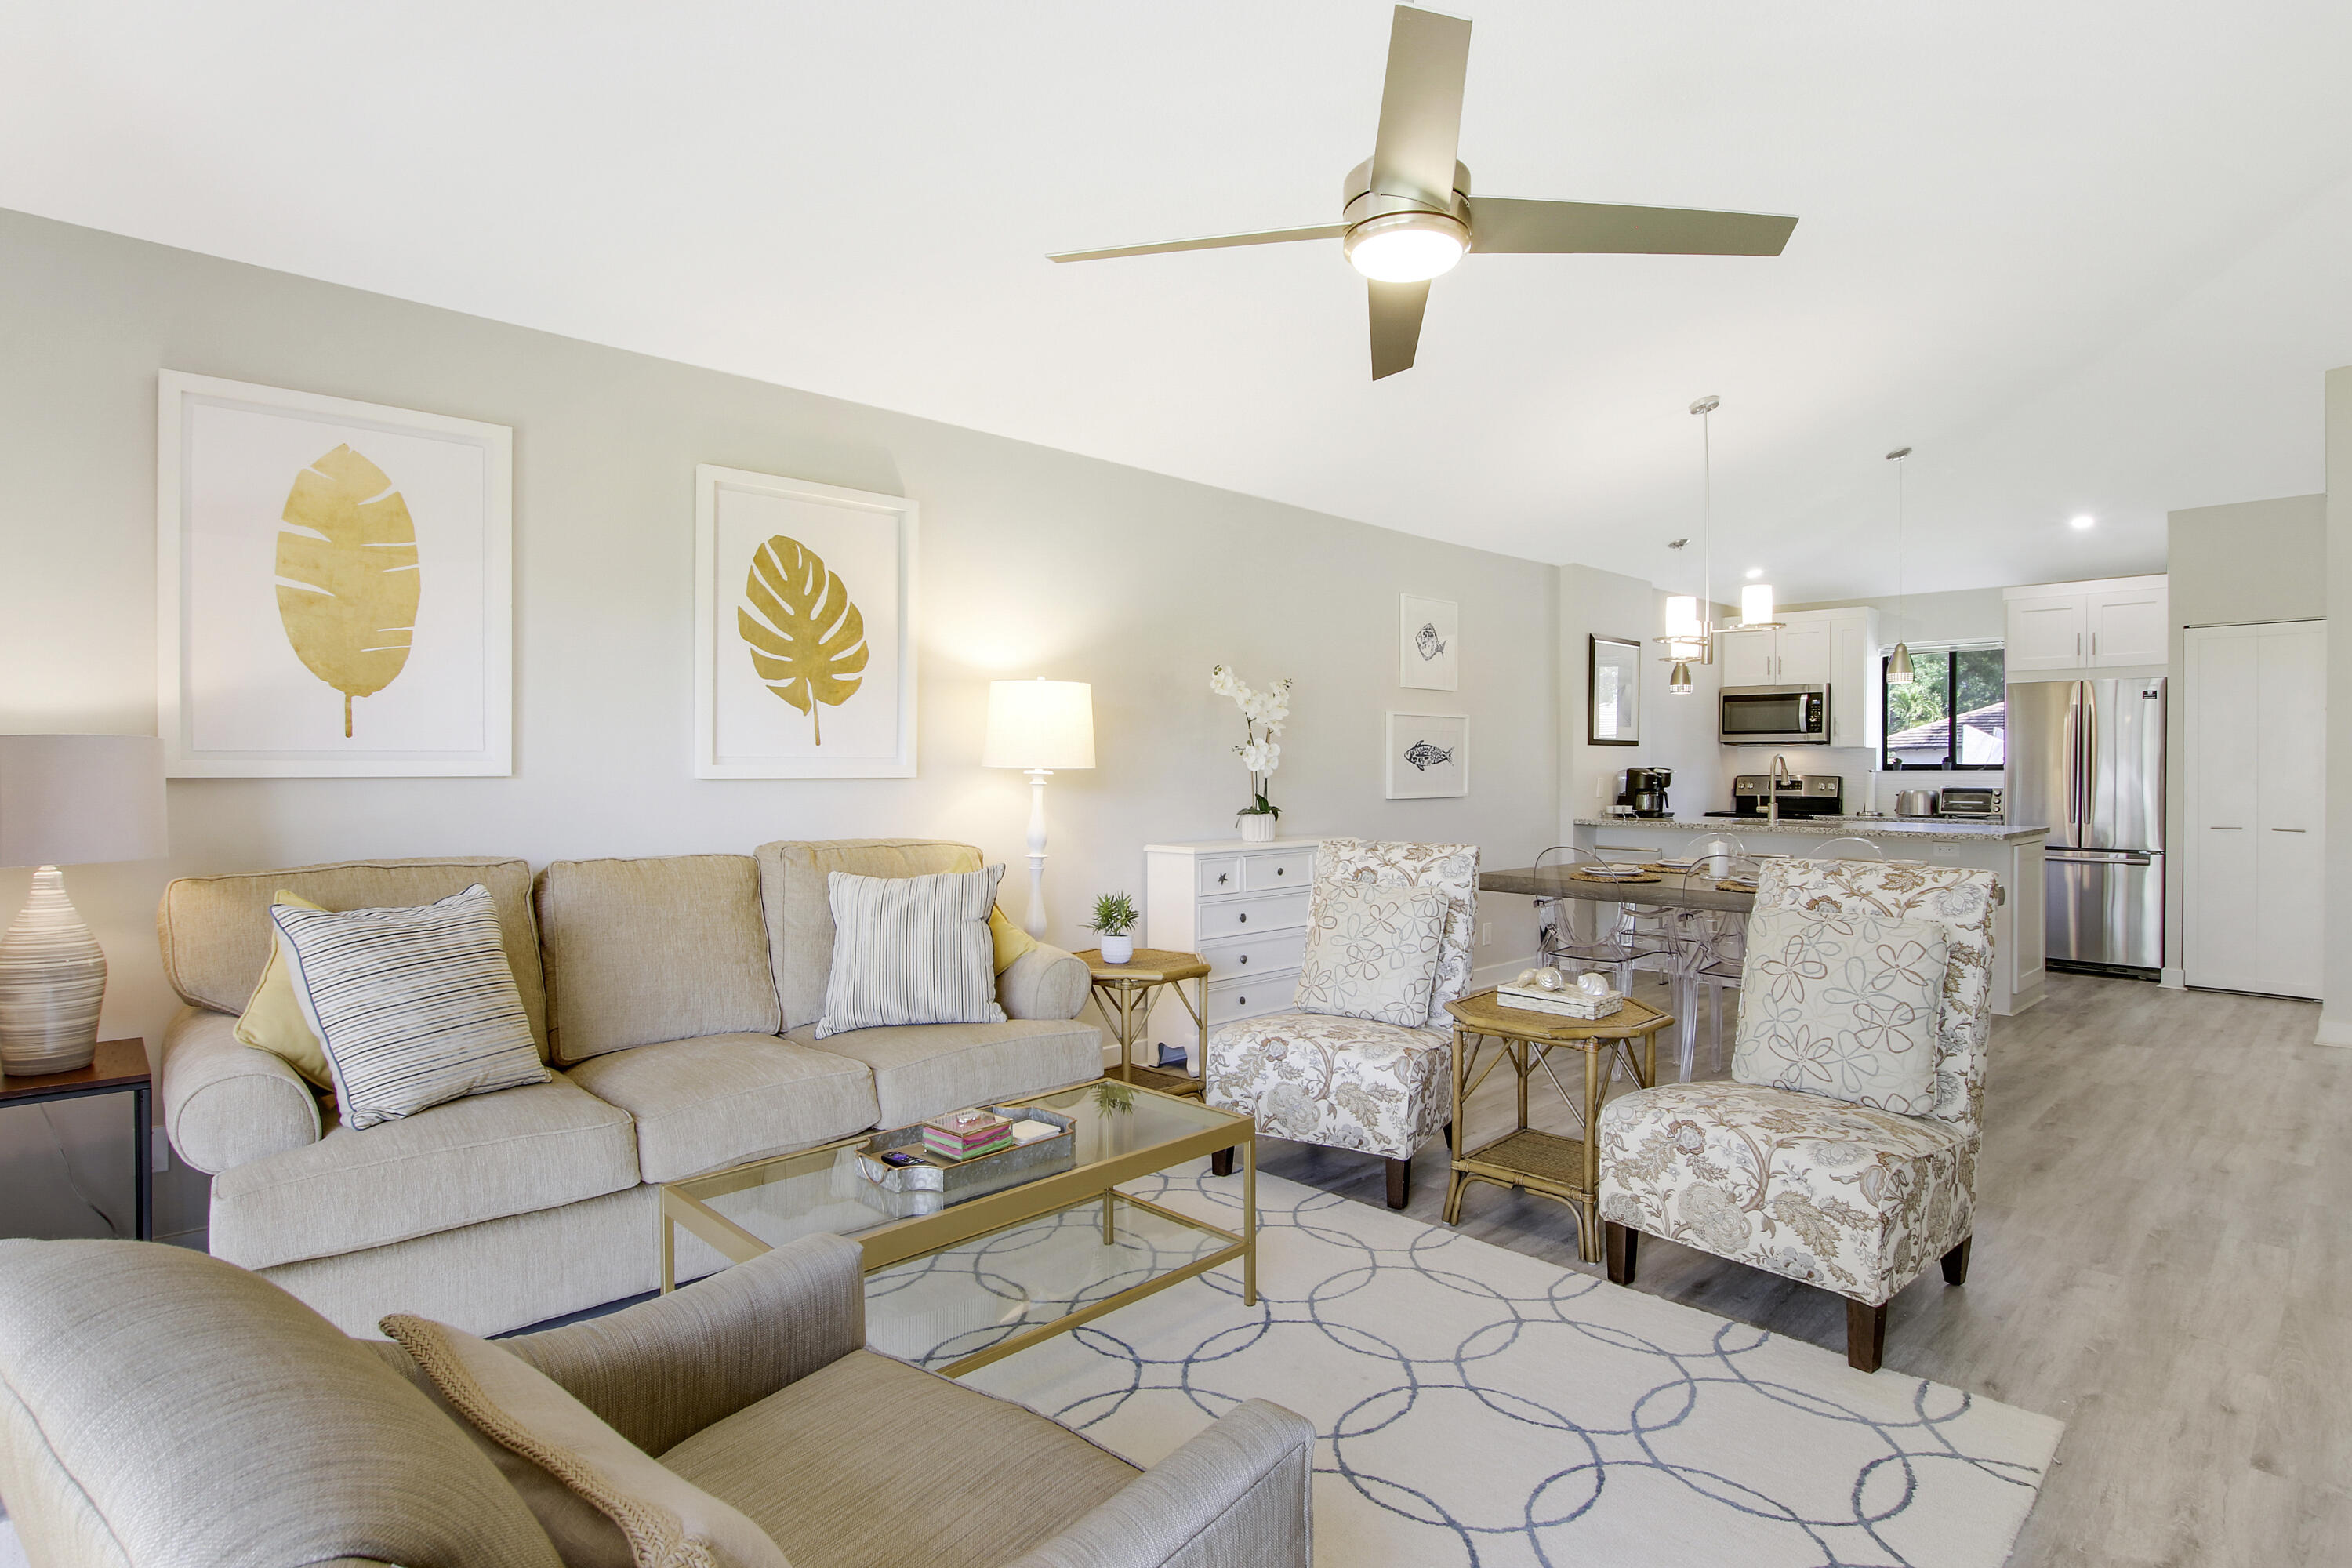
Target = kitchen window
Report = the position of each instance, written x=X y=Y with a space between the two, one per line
x=1954 y=715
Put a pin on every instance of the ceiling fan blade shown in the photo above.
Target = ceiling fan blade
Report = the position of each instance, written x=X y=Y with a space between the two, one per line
x=1396 y=324
x=1498 y=223
x=1421 y=105
x=1212 y=242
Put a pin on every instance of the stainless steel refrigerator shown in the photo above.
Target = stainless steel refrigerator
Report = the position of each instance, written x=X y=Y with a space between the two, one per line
x=2086 y=757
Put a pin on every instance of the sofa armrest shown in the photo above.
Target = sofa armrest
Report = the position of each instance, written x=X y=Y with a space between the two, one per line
x=1237 y=1496
x=227 y=1104
x=661 y=1370
x=1043 y=983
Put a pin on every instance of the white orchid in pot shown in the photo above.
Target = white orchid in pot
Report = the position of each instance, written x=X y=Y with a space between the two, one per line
x=1263 y=714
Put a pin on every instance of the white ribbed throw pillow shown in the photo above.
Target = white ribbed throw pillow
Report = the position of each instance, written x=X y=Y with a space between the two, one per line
x=911 y=950
x=414 y=1006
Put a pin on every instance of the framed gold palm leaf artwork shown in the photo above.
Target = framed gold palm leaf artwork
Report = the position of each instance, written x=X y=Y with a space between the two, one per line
x=805 y=629
x=334 y=586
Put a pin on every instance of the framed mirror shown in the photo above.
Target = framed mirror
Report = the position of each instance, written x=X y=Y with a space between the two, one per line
x=1612 y=694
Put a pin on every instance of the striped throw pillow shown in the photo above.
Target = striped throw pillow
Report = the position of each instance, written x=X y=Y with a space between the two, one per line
x=911 y=950
x=414 y=1006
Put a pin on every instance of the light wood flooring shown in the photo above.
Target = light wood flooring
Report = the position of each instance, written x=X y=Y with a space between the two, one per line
x=2163 y=1260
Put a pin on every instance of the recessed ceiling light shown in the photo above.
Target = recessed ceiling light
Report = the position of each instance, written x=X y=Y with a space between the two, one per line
x=2079 y=523
x=1754 y=572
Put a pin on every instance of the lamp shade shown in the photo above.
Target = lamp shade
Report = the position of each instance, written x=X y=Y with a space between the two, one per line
x=1040 y=723
x=1682 y=616
x=73 y=800
x=1756 y=603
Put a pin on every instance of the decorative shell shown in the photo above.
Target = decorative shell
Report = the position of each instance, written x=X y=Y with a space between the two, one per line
x=1549 y=979
x=1526 y=977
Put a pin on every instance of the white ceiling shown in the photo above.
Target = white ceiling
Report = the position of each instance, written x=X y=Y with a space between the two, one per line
x=2084 y=257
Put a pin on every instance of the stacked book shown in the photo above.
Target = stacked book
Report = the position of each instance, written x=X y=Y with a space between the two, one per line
x=967 y=1134
x=1567 y=1004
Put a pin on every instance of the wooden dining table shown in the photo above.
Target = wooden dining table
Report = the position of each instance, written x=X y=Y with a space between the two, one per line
x=1687 y=891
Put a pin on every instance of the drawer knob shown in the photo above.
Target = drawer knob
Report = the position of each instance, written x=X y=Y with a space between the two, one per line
x=1245 y=958
x=1244 y=920
x=1241 y=1002
x=1222 y=877
x=1277 y=870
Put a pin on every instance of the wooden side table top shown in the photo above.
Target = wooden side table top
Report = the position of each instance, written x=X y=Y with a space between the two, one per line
x=1150 y=965
x=1481 y=1014
x=119 y=1064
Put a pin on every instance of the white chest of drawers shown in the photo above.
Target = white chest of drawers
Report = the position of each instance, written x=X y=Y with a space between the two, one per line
x=1242 y=908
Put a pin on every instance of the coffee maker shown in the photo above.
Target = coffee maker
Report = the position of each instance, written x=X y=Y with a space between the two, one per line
x=1643 y=792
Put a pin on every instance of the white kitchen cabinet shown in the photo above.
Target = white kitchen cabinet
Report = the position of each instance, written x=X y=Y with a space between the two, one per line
x=1242 y=907
x=1853 y=677
x=2130 y=626
x=1802 y=654
x=2101 y=625
x=2255 y=776
x=1748 y=658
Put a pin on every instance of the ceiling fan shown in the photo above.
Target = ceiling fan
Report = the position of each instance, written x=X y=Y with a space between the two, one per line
x=1407 y=214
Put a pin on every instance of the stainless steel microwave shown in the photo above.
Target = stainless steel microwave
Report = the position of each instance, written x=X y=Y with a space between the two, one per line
x=1774 y=716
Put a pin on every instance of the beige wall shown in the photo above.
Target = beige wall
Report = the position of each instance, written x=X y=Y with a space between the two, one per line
x=2230 y=565
x=2335 y=1015
x=1034 y=562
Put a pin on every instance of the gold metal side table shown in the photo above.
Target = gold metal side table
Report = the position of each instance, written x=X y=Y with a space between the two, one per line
x=1123 y=992
x=1567 y=1169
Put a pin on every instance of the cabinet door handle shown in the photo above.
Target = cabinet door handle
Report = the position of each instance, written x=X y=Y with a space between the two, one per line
x=2216 y=829
x=2286 y=830
x=2078 y=645
x=2094 y=645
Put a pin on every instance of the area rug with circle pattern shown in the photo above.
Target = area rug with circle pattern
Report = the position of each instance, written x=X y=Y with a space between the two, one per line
x=1476 y=1405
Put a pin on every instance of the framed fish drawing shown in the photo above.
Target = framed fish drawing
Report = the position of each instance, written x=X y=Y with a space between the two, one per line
x=1429 y=643
x=803 y=629
x=1428 y=756
x=334 y=586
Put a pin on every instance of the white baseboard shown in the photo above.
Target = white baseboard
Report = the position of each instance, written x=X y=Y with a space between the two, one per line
x=1487 y=975
x=2334 y=1032
x=2173 y=978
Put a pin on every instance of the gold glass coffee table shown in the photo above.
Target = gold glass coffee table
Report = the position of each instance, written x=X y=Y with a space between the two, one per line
x=978 y=1281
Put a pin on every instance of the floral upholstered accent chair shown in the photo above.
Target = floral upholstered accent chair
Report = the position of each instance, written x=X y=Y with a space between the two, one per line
x=1354 y=1082
x=1854 y=1199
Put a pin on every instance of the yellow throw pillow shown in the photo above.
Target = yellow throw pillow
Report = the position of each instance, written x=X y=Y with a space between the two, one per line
x=1011 y=942
x=273 y=1019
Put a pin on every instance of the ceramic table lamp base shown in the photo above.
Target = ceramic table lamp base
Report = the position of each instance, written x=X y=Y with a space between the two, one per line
x=52 y=979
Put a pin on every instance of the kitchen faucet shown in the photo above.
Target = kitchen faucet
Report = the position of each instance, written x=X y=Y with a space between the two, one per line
x=1780 y=771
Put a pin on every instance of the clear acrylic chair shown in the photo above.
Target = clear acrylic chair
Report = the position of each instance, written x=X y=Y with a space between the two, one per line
x=1714 y=956
x=1572 y=936
x=1868 y=849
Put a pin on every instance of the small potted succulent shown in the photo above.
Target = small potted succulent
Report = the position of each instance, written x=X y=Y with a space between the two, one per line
x=1115 y=919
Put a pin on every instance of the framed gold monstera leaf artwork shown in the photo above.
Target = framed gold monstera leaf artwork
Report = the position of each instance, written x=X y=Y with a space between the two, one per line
x=334 y=585
x=805 y=629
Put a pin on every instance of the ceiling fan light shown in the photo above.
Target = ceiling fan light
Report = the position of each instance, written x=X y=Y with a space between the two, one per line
x=1898 y=666
x=1406 y=247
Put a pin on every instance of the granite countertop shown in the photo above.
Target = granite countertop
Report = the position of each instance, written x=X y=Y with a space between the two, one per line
x=1945 y=830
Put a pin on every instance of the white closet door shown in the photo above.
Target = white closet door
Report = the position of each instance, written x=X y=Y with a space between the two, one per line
x=2291 y=804
x=2220 y=900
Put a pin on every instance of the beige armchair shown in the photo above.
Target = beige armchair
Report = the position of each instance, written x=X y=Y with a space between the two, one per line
x=1854 y=1199
x=157 y=1406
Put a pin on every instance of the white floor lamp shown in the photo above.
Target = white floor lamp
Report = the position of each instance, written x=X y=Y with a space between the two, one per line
x=65 y=800
x=1038 y=726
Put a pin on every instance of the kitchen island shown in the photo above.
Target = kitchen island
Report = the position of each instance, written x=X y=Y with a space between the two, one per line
x=2011 y=851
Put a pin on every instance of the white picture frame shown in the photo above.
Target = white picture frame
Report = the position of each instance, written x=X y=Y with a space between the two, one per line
x=252 y=684
x=1427 y=756
x=751 y=726
x=1429 y=644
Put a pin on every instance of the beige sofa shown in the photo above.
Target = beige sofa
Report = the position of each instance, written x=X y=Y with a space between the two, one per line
x=676 y=1000
x=157 y=1406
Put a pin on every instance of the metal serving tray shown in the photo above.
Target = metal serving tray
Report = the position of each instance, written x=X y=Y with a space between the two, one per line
x=936 y=1181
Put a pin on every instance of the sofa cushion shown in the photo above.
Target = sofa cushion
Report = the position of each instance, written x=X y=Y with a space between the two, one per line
x=798 y=904
x=273 y=1019
x=216 y=935
x=667 y=1519
x=911 y=950
x=921 y=1070
x=198 y=1414
x=638 y=951
x=455 y=1164
x=703 y=1104
x=828 y=1468
x=1842 y=1003
x=417 y=1006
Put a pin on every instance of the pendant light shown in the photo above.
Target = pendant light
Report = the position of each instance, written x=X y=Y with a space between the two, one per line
x=1898 y=665
x=1690 y=625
